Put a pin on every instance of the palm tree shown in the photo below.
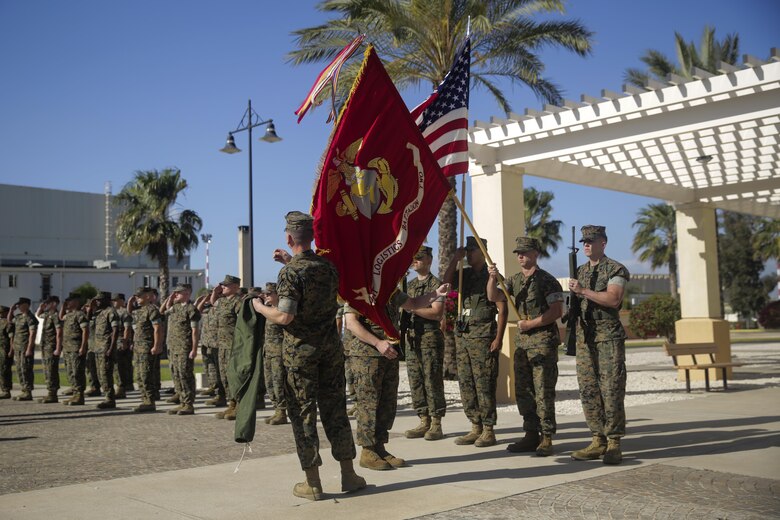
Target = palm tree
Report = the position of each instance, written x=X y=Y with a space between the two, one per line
x=656 y=238
x=706 y=57
x=418 y=40
x=148 y=223
x=538 y=224
x=766 y=239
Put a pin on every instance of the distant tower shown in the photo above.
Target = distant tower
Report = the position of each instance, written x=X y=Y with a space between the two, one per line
x=108 y=219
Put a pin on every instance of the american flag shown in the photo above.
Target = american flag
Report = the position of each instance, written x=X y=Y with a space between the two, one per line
x=443 y=117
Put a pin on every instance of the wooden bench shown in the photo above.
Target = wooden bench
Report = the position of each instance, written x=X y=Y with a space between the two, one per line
x=699 y=352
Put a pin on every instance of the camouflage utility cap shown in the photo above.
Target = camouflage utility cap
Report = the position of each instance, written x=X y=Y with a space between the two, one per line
x=4 y=310
x=297 y=221
x=525 y=244
x=103 y=295
x=23 y=300
x=471 y=243
x=73 y=296
x=182 y=287
x=230 y=280
x=270 y=287
x=423 y=252
x=117 y=296
x=143 y=290
x=593 y=232
x=254 y=292
x=53 y=299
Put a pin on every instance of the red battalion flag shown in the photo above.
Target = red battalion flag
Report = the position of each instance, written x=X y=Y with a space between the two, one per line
x=443 y=117
x=378 y=194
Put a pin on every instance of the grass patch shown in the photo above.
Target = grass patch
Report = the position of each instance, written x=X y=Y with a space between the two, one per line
x=40 y=379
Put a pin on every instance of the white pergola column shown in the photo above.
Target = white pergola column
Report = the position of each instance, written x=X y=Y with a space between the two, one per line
x=243 y=255
x=498 y=214
x=697 y=252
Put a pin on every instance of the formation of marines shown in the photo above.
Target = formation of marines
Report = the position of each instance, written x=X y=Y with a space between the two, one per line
x=304 y=352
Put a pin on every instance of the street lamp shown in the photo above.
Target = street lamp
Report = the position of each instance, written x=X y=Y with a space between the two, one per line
x=251 y=120
x=206 y=237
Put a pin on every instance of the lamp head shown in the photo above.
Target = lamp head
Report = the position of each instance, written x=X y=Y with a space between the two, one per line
x=230 y=145
x=270 y=134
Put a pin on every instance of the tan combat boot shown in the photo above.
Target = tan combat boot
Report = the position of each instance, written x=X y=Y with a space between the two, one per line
x=419 y=430
x=108 y=404
x=120 y=392
x=229 y=413
x=210 y=392
x=186 y=409
x=593 y=451
x=24 y=396
x=174 y=410
x=145 y=406
x=370 y=459
x=434 y=433
x=279 y=417
x=5 y=394
x=50 y=398
x=92 y=392
x=69 y=391
x=613 y=455
x=350 y=481
x=216 y=401
x=471 y=437
x=76 y=400
x=488 y=437
x=388 y=457
x=545 y=448
x=311 y=488
x=525 y=445
x=174 y=399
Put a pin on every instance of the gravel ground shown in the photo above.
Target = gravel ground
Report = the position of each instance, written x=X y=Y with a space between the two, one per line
x=650 y=379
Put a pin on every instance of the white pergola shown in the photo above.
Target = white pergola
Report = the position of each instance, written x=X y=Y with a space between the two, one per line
x=709 y=143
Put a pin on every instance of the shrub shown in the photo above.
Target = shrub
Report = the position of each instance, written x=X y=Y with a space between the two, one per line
x=655 y=316
x=769 y=316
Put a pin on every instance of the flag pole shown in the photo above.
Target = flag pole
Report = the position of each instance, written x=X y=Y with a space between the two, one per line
x=483 y=249
x=462 y=241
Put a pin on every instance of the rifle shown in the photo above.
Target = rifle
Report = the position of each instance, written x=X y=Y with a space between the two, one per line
x=406 y=320
x=573 y=303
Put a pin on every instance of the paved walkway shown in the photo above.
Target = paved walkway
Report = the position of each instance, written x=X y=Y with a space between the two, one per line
x=715 y=456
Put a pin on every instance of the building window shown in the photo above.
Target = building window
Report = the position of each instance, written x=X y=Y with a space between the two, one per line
x=12 y=280
x=175 y=281
x=45 y=286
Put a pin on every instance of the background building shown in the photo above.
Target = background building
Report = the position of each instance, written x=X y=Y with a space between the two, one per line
x=52 y=241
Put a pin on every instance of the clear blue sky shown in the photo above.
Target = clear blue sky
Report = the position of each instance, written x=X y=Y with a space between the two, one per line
x=91 y=91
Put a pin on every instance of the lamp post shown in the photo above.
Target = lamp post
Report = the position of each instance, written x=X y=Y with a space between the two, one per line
x=206 y=237
x=251 y=120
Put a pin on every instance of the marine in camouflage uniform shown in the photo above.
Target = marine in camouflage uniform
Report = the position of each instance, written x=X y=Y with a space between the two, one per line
x=147 y=339
x=273 y=366
x=123 y=373
x=23 y=338
x=182 y=330
x=6 y=354
x=93 y=380
x=206 y=341
x=50 y=347
x=75 y=333
x=106 y=336
x=425 y=353
x=227 y=304
x=538 y=297
x=478 y=342
x=313 y=356
x=601 y=350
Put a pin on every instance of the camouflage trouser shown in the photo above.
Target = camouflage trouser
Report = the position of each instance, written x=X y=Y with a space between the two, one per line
x=210 y=368
x=223 y=356
x=105 y=370
x=376 y=391
x=76 y=366
x=184 y=382
x=93 y=381
x=24 y=369
x=6 y=381
x=425 y=366
x=51 y=369
x=315 y=378
x=124 y=368
x=274 y=378
x=348 y=372
x=601 y=374
x=536 y=373
x=143 y=362
x=156 y=372
x=477 y=377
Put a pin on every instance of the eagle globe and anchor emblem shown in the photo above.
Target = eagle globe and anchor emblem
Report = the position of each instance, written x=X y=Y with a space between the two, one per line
x=368 y=191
